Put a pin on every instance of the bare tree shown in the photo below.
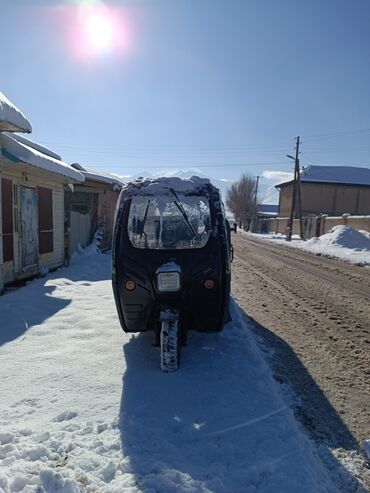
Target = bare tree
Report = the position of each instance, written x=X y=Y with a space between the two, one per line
x=241 y=200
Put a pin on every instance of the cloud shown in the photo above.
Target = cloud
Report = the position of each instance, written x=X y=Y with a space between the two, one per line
x=277 y=176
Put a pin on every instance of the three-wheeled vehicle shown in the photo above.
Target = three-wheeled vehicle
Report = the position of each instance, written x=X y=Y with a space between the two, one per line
x=171 y=261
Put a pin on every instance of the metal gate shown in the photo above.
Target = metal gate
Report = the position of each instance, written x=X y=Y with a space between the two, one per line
x=29 y=228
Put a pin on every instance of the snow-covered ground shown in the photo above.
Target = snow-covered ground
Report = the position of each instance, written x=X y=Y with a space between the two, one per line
x=85 y=408
x=341 y=241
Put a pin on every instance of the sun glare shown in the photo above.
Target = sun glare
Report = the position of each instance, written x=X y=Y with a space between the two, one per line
x=99 y=32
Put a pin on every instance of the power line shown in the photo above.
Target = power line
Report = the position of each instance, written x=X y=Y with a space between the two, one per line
x=208 y=146
x=335 y=134
x=186 y=165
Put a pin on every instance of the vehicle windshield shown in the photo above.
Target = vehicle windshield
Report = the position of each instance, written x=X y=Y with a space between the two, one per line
x=173 y=221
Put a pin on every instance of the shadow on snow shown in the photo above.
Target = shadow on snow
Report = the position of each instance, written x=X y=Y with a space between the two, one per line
x=32 y=304
x=215 y=423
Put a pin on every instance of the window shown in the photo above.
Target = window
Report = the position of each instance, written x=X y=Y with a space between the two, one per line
x=7 y=215
x=169 y=222
x=45 y=207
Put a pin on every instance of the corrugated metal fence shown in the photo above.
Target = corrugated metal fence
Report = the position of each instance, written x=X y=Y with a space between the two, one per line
x=79 y=231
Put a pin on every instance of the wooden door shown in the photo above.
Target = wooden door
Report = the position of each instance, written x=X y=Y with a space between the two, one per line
x=29 y=228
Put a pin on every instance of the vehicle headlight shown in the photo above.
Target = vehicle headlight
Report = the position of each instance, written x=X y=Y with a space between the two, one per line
x=168 y=281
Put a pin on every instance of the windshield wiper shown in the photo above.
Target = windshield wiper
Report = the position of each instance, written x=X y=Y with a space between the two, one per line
x=183 y=212
x=142 y=232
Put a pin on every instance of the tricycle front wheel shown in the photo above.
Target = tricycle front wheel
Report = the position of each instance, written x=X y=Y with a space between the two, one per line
x=170 y=344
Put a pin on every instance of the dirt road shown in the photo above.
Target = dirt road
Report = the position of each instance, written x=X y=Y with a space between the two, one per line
x=314 y=313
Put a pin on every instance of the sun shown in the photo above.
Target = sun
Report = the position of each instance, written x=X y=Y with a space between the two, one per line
x=99 y=32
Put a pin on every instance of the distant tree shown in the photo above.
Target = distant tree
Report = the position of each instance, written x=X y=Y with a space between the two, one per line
x=241 y=200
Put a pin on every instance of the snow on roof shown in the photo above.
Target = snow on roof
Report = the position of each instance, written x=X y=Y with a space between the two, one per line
x=101 y=177
x=162 y=185
x=348 y=175
x=35 y=145
x=11 y=118
x=16 y=150
x=98 y=176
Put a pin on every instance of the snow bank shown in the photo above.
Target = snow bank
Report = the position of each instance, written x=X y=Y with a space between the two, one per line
x=11 y=118
x=78 y=415
x=81 y=254
x=29 y=155
x=341 y=241
x=342 y=236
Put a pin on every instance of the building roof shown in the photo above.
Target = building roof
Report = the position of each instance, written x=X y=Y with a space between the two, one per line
x=11 y=118
x=271 y=209
x=98 y=176
x=345 y=175
x=35 y=145
x=17 y=151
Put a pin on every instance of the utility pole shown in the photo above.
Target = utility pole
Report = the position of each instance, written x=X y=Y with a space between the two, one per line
x=255 y=196
x=255 y=204
x=296 y=194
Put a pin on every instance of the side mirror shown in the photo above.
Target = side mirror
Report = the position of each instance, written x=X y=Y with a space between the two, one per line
x=231 y=253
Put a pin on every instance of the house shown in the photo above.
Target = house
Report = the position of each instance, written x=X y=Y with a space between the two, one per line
x=33 y=179
x=332 y=190
x=91 y=205
x=264 y=213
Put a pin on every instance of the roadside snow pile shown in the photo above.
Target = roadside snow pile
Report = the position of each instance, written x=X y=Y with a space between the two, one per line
x=342 y=236
x=77 y=415
x=343 y=242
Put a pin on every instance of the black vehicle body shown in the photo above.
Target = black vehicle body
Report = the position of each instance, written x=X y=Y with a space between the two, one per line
x=201 y=308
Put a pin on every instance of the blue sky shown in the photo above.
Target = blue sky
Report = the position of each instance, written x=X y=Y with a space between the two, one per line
x=208 y=84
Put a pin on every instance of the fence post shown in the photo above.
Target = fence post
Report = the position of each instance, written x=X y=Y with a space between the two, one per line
x=323 y=221
x=345 y=218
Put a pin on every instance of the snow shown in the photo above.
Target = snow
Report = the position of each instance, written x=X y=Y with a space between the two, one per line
x=29 y=155
x=163 y=185
x=366 y=448
x=343 y=236
x=102 y=178
x=94 y=175
x=11 y=118
x=35 y=145
x=85 y=407
x=343 y=242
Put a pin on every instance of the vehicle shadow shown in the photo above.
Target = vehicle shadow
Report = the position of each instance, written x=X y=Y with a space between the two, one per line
x=167 y=421
x=311 y=407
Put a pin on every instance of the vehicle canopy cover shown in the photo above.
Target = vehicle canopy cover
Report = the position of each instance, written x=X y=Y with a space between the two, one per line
x=163 y=185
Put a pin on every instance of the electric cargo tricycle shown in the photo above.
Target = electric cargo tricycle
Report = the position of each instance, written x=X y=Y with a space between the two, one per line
x=171 y=261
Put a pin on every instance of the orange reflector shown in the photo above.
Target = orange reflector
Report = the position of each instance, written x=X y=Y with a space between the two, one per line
x=130 y=285
x=209 y=284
